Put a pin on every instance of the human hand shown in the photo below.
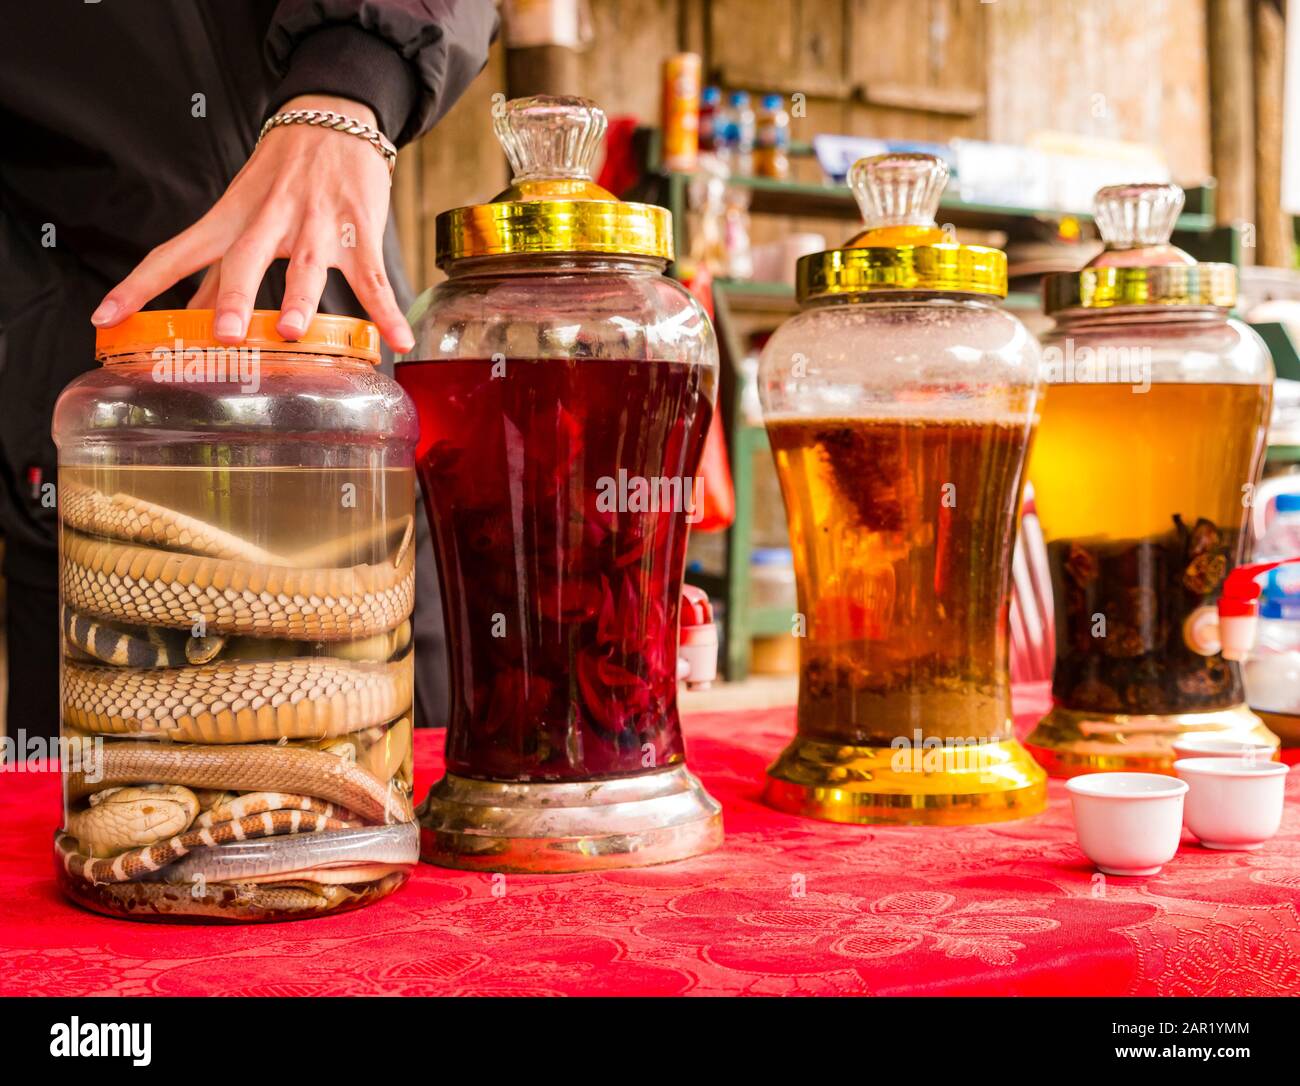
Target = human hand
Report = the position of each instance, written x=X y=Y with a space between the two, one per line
x=316 y=196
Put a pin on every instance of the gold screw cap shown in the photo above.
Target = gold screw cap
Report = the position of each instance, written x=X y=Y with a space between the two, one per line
x=902 y=248
x=552 y=204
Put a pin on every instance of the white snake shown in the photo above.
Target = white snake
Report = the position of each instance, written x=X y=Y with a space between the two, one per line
x=325 y=872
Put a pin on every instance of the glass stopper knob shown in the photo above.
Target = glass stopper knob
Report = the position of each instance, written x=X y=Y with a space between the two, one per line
x=899 y=189
x=550 y=138
x=1136 y=216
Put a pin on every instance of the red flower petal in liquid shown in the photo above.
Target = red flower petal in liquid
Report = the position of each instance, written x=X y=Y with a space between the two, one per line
x=660 y=642
x=566 y=450
x=515 y=699
x=636 y=546
x=613 y=695
x=485 y=531
x=597 y=525
x=570 y=599
x=609 y=629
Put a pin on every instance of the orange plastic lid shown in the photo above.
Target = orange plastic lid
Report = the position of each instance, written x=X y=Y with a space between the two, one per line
x=327 y=334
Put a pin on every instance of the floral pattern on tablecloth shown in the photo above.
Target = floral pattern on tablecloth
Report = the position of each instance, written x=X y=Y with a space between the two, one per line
x=787 y=906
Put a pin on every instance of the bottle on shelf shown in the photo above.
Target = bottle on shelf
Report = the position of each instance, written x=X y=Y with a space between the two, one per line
x=772 y=139
x=735 y=233
x=1282 y=537
x=772 y=586
x=710 y=109
x=1272 y=671
x=737 y=130
x=707 y=199
x=681 y=111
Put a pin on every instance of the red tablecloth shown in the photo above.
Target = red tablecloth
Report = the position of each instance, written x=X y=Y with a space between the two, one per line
x=787 y=906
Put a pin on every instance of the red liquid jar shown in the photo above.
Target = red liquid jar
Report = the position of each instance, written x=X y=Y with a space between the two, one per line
x=564 y=387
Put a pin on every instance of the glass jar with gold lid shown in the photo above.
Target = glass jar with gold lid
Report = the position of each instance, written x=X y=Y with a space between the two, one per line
x=1150 y=444
x=564 y=386
x=900 y=404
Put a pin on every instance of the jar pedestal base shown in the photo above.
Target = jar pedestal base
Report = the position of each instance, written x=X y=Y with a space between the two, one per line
x=1286 y=726
x=944 y=786
x=542 y=826
x=1068 y=742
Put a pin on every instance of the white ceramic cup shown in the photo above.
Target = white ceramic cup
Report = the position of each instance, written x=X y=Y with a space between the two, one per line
x=1232 y=803
x=1128 y=823
x=1214 y=745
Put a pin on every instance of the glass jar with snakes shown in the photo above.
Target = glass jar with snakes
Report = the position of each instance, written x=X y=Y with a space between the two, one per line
x=564 y=386
x=236 y=583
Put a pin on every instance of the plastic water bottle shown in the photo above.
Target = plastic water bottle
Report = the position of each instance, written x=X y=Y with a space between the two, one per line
x=1282 y=537
x=772 y=139
x=739 y=125
x=1272 y=673
x=710 y=110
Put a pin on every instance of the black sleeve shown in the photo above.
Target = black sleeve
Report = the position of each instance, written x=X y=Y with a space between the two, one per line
x=408 y=60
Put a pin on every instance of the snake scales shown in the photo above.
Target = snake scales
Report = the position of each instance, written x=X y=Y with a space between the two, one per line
x=178 y=632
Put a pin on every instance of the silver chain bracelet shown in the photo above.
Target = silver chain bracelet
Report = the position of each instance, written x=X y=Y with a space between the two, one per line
x=339 y=122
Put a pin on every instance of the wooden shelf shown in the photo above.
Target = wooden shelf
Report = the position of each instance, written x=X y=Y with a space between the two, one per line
x=750 y=288
x=770 y=621
x=771 y=292
x=811 y=200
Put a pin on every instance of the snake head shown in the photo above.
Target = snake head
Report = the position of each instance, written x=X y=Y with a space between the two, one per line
x=132 y=817
x=203 y=650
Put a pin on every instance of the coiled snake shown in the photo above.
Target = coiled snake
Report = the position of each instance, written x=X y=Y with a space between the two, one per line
x=178 y=631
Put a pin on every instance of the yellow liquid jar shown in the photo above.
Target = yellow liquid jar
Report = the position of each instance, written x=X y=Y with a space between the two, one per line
x=900 y=406
x=1150 y=444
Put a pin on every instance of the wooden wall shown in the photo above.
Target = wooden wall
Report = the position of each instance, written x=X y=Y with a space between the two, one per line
x=924 y=69
x=1119 y=69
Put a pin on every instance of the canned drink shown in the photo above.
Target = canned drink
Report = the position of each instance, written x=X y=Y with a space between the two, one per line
x=681 y=111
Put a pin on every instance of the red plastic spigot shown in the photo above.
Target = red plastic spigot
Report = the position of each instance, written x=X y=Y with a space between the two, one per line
x=697 y=650
x=1239 y=608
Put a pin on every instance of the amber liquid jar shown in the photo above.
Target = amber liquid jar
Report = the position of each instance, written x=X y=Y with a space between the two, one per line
x=900 y=405
x=1150 y=445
